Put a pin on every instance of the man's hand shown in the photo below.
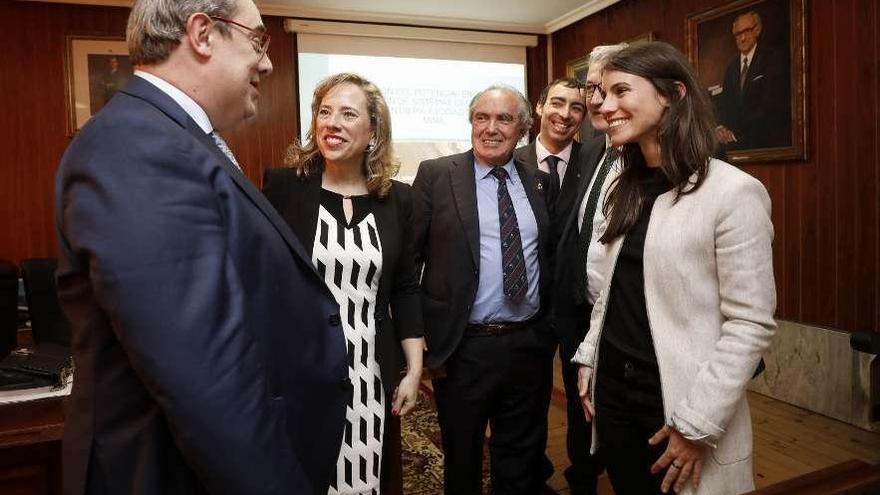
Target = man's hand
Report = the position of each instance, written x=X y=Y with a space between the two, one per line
x=683 y=457
x=584 y=374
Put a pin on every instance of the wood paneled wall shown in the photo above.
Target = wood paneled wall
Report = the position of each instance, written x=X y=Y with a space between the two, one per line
x=536 y=72
x=33 y=113
x=826 y=210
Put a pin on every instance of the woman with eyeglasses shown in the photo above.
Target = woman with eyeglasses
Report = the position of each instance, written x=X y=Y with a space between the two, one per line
x=339 y=198
x=678 y=331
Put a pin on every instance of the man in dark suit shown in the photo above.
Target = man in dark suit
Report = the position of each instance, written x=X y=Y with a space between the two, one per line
x=580 y=270
x=753 y=105
x=482 y=230
x=209 y=356
x=561 y=110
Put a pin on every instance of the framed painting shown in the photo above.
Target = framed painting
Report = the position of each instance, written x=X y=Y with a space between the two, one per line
x=751 y=56
x=96 y=67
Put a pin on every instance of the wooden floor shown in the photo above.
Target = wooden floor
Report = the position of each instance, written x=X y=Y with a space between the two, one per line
x=789 y=441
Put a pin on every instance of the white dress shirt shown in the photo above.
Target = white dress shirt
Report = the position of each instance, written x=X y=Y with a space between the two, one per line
x=747 y=58
x=188 y=104
x=564 y=156
x=597 y=255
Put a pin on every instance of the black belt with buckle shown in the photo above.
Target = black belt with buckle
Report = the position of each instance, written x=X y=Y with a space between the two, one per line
x=501 y=328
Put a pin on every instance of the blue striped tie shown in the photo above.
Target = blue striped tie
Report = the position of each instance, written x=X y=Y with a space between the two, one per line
x=513 y=266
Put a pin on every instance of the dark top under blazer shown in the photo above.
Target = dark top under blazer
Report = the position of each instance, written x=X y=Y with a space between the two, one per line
x=298 y=199
x=209 y=356
x=447 y=237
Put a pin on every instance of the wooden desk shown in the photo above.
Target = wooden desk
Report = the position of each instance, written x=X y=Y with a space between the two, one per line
x=30 y=447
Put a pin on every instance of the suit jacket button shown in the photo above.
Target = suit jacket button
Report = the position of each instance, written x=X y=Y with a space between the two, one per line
x=335 y=320
x=345 y=384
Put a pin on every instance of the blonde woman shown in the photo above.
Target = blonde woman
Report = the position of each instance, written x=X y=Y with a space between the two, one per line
x=338 y=197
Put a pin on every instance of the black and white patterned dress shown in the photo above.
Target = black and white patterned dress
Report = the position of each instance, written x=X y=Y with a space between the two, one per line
x=348 y=255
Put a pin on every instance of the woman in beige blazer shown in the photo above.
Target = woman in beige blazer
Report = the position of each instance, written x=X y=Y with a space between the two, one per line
x=688 y=309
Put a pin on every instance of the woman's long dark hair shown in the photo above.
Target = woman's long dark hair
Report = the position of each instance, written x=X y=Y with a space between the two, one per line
x=686 y=133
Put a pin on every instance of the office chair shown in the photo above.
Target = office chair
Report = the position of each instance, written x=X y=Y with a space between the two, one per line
x=8 y=307
x=48 y=323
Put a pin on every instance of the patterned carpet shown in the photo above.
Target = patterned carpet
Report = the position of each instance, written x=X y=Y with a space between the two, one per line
x=422 y=453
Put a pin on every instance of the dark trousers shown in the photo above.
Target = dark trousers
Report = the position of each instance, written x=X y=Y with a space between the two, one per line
x=585 y=469
x=391 y=476
x=629 y=410
x=497 y=380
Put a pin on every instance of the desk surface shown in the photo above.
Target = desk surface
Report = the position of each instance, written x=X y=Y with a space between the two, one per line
x=27 y=423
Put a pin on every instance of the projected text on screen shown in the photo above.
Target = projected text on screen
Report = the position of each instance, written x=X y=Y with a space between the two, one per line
x=428 y=98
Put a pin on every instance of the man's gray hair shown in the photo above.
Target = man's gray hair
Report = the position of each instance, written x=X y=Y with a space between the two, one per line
x=603 y=53
x=754 y=15
x=524 y=109
x=155 y=27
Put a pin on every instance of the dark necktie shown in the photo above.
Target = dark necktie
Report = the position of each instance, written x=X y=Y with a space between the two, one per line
x=743 y=73
x=586 y=233
x=553 y=165
x=513 y=264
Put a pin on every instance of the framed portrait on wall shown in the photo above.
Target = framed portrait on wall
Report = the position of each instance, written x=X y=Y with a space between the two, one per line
x=750 y=55
x=96 y=67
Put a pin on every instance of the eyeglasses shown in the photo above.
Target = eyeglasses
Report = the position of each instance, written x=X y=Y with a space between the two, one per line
x=259 y=40
x=591 y=89
x=748 y=30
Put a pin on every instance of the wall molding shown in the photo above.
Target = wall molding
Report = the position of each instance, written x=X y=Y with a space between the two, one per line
x=816 y=369
x=277 y=9
x=408 y=32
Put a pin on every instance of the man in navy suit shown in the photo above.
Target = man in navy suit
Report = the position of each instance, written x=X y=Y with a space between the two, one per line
x=209 y=356
x=753 y=105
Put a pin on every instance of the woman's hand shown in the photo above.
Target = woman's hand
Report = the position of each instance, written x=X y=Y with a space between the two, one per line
x=584 y=374
x=406 y=394
x=683 y=457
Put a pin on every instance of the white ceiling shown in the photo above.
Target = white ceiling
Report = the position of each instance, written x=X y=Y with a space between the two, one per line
x=521 y=16
x=524 y=16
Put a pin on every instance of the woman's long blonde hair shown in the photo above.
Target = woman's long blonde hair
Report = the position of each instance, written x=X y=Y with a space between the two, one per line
x=379 y=165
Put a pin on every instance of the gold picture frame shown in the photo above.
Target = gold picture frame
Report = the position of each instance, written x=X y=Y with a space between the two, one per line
x=95 y=68
x=767 y=119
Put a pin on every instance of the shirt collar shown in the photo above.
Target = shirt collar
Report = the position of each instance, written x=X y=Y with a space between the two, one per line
x=189 y=105
x=542 y=153
x=483 y=171
x=748 y=56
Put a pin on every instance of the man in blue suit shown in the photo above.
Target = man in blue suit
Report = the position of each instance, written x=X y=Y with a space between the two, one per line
x=209 y=356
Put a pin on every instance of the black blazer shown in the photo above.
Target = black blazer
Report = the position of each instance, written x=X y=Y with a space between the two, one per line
x=447 y=237
x=298 y=198
x=570 y=320
x=561 y=203
x=759 y=112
